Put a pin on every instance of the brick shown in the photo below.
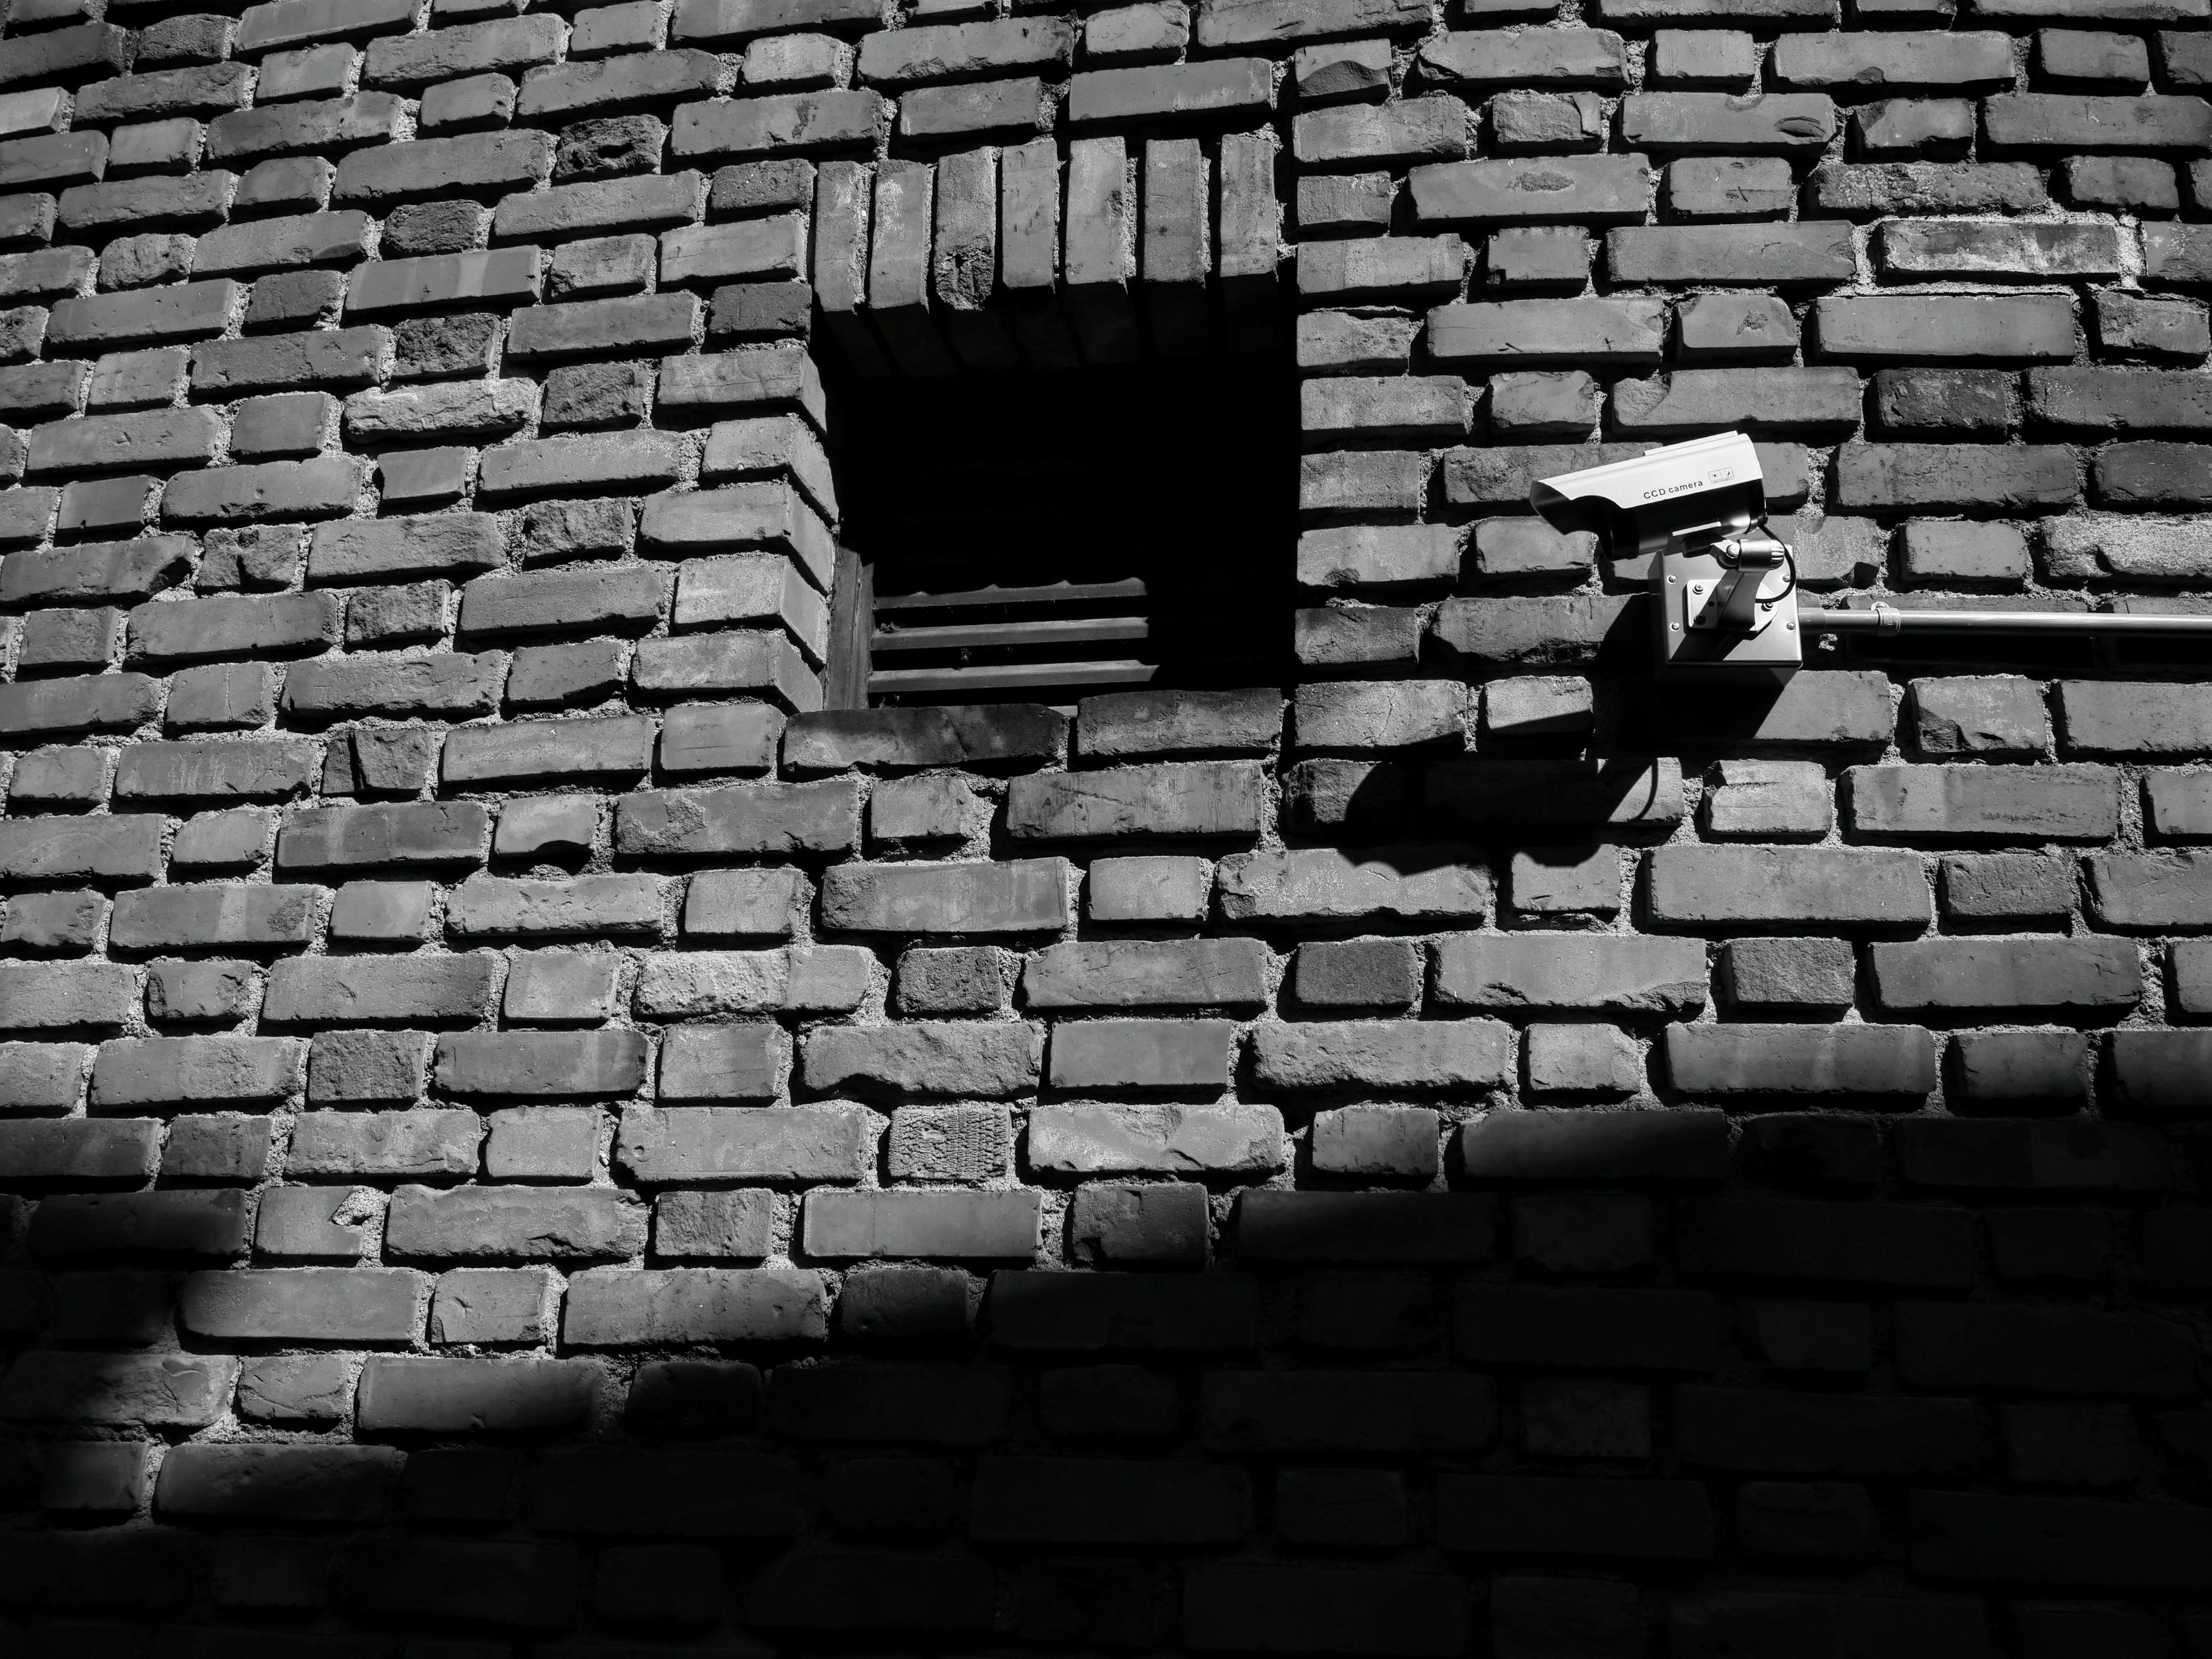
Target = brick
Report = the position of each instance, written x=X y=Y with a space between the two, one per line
x=417 y=1145
x=1595 y=190
x=426 y=167
x=2024 y=974
x=101 y=702
x=53 y=996
x=1016 y=896
x=620 y=1307
x=1090 y=1141
x=2056 y=1540
x=1713 y=886
x=193 y=1071
x=739 y=818
x=1801 y=1059
x=732 y=1224
x=1647 y=1519
x=798 y=1143
x=157 y=1223
x=1636 y=1330
x=1744 y=1620
x=945 y=1226
x=187 y=1391
x=490 y=756
x=1775 y=974
x=1141 y=1054
x=1993 y=1154
x=1135 y=973
x=1280 y=1226
x=475 y=1396
x=329 y=1304
x=2076 y=803
x=2044 y=1350
x=1274 y=1608
x=1195 y=799
x=1875 y=328
x=1087 y=1501
x=529 y=1586
x=311 y=1484
x=501 y=1222
x=2160 y=891
x=2105 y=719
x=803 y=124
x=1545 y=972
x=1857 y=1243
x=2080 y=123
x=581 y=1065
x=929 y=1057
x=1795 y=1434
x=327 y=487
x=369 y=837
x=1318 y=883
x=1680 y=1143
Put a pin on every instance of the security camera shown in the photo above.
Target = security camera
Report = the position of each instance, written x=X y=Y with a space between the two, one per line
x=1724 y=589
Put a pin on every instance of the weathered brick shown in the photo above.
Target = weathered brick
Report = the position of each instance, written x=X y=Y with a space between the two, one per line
x=1137 y=973
x=1026 y=896
x=1726 y=887
x=1091 y=1140
x=798 y=1143
x=1321 y=883
x=1193 y=798
x=1539 y=971
x=418 y=1145
x=1801 y=1059
x=620 y=1307
x=513 y=1223
x=2042 y=975
x=292 y=1304
x=185 y=1391
x=743 y=819
x=559 y=1065
x=1890 y=327
x=988 y=1059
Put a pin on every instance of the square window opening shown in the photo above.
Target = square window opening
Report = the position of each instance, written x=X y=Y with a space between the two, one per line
x=1045 y=537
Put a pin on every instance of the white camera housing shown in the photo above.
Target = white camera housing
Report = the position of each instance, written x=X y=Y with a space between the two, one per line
x=1723 y=599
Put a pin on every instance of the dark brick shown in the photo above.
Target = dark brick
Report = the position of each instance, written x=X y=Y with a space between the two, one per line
x=961 y=1406
x=1301 y=1609
x=2045 y=1350
x=526 y=1586
x=350 y=1484
x=2074 y=1541
x=700 y=1493
x=1045 y=1310
x=1773 y=1432
x=1346 y=1411
x=1638 y=1330
x=1565 y=1515
x=1905 y=1245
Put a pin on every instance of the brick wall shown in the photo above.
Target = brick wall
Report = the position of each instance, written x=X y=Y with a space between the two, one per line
x=521 y=1134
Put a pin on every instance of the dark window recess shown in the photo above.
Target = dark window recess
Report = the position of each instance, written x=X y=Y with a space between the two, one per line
x=1043 y=537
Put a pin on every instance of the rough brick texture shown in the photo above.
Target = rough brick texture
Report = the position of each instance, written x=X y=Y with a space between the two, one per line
x=530 y=1126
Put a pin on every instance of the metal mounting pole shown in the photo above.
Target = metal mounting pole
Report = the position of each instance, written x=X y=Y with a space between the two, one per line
x=1883 y=619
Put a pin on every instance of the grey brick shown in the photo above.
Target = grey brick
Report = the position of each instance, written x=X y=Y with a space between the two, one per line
x=614 y=1307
